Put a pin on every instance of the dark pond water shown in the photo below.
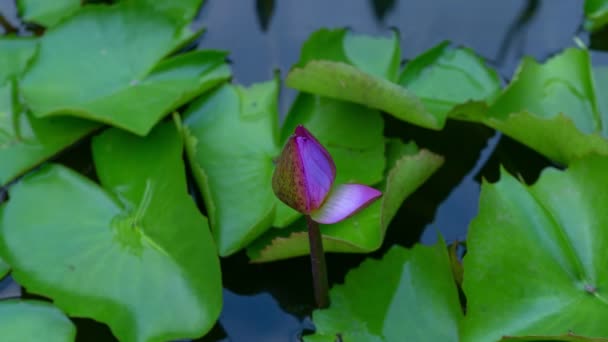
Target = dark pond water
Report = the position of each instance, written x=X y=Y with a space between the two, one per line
x=273 y=302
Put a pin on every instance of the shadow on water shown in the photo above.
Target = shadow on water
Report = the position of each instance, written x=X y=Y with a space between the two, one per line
x=273 y=302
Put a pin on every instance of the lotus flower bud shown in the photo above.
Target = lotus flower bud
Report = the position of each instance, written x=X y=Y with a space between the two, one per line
x=304 y=177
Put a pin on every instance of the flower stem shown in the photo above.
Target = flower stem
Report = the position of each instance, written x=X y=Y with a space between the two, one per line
x=317 y=260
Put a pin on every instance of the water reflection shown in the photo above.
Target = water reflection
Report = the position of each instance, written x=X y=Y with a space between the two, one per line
x=265 y=10
x=259 y=322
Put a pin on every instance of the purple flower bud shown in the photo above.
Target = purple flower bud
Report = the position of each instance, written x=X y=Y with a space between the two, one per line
x=304 y=177
x=305 y=172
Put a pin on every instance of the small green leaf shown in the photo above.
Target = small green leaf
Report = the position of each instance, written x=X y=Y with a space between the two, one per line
x=25 y=321
x=409 y=295
x=26 y=141
x=124 y=254
x=536 y=256
x=46 y=13
x=553 y=108
x=596 y=12
x=451 y=82
x=341 y=65
x=90 y=67
x=408 y=169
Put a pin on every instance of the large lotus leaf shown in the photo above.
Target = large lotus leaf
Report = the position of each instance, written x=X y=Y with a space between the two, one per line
x=232 y=139
x=451 y=81
x=46 y=13
x=341 y=65
x=135 y=254
x=553 y=108
x=537 y=256
x=596 y=12
x=26 y=141
x=101 y=64
x=353 y=135
x=25 y=321
x=409 y=295
x=408 y=168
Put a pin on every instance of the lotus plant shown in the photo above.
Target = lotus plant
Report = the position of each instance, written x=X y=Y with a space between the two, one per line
x=304 y=180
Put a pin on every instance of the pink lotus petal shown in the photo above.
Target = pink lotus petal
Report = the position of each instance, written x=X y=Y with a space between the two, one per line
x=318 y=168
x=304 y=173
x=344 y=201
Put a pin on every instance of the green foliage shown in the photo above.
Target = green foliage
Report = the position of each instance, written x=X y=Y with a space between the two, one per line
x=536 y=256
x=26 y=141
x=451 y=82
x=554 y=107
x=125 y=244
x=351 y=70
x=105 y=77
x=232 y=137
x=596 y=12
x=46 y=13
x=24 y=321
x=108 y=253
x=409 y=295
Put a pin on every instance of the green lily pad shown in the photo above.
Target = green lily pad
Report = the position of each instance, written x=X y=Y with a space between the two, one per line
x=46 y=13
x=15 y=54
x=340 y=65
x=182 y=11
x=135 y=254
x=553 y=108
x=596 y=13
x=564 y=338
x=232 y=138
x=26 y=141
x=536 y=256
x=25 y=321
x=451 y=82
x=102 y=65
x=408 y=168
x=409 y=295
x=4 y=268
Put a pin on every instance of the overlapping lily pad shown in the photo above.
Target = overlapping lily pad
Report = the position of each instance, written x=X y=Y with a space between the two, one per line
x=596 y=12
x=4 y=268
x=102 y=64
x=233 y=137
x=341 y=65
x=408 y=168
x=537 y=256
x=451 y=81
x=409 y=295
x=26 y=141
x=182 y=11
x=46 y=13
x=135 y=254
x=34 y=321
x=556 y=108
